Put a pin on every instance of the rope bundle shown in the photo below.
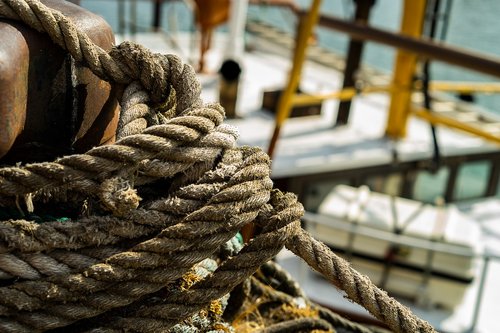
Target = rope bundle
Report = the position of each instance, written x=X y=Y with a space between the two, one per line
x=167 y=196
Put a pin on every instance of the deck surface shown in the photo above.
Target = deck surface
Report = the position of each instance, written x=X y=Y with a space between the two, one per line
x=312 y=145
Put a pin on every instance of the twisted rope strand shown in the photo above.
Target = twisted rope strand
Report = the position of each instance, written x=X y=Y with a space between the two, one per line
x=140 y=272
x=176 y=305
x=134 y=110
x=124 y=64
x=358 y=287
x=65 y=34
x=26 y=237
x=193 y=137
x=336 y=320
x=102 y=161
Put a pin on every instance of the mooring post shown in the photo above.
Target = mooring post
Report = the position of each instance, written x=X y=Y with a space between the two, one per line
x=50 y=105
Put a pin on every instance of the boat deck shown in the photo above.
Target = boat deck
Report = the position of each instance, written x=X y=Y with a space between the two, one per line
x=311 y=145
x=463 y=318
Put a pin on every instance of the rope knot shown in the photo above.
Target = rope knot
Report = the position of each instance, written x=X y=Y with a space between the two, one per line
x=141 y=64
x=165 y=77
x=207 y=210
x=119 y=196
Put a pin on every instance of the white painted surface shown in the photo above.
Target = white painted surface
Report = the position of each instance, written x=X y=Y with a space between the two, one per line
x=236 y=37
x=311 y=145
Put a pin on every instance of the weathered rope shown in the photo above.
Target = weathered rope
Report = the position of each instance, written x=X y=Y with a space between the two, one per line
x=146 y=267
x=189 y=134
x=136 y=115
x=358 y=287
x=149 y=315
x=285 y=282
x=20 y=238
x=175 y=304
x=334 y=319
x=29 y=237
x=298 y=325
x=125 y=63
x=158 y=152
x=134 y=111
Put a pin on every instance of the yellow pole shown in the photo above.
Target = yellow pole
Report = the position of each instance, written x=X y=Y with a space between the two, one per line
x=437 y=119
x=466 y=87
x=343 y=95
x=305 y=99
x=404 y=69
x=306 y=26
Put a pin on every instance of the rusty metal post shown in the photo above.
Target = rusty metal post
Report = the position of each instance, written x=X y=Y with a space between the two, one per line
x=13 y=85
x=49 y=105
x=363 y=9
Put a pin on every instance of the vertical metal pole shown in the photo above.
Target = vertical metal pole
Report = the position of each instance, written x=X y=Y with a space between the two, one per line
x=157 y=14
x=404 y=69
x=305 y=28
x=479 y=296
x=121 y=17
x=431 y=26
x=363 y=9
x=133 y=17
x=237 y=21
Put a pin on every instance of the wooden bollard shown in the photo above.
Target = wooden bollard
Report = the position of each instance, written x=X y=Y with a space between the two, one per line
x=49 y=105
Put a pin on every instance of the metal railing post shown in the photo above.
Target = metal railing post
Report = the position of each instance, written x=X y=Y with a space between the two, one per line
x=353 y=58
x=304 y=31
x=404 y=70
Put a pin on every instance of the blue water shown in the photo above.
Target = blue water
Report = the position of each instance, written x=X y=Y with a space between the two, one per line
x=474 y=24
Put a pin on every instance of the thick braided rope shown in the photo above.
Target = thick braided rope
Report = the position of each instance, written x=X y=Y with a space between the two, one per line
x=22 y=242
x=134 y=111
x=132 y=59
x=358 y=287
x=259 y=288
x=161 y=151
x=28 y=237
x=298 y=325
x=279 y=222
x=126 y=63
x=35 y=266
x=286 y=283
x=148 y=266
x=136 y=115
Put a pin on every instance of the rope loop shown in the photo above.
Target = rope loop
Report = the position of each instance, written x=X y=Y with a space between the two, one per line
x=143 y=214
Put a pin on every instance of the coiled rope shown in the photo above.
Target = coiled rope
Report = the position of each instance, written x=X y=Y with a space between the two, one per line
x=120 y=256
